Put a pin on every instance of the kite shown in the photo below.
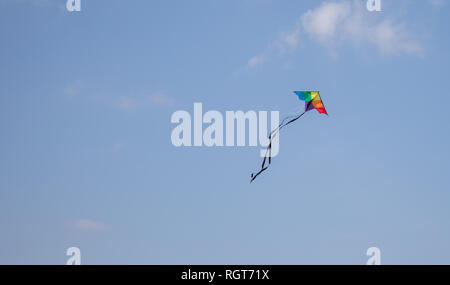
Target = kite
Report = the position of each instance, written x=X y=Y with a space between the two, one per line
x=312 y=101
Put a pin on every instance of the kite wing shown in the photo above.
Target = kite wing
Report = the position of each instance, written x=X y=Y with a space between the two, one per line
x=312 y=101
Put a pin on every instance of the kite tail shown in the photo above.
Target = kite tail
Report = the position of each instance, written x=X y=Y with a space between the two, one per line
x=273 y=133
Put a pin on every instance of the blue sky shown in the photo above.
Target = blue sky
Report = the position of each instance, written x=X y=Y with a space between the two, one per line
x=86 y=158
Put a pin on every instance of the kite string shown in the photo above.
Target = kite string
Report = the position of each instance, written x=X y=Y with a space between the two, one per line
x=272 y=134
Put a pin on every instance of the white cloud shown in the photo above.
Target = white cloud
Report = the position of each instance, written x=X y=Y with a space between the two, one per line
x=393 y=39
x=288 y=41
x=323 y=22
x=336 y=24
x=255 y=61
x=90 y=225
x=160 y=98
x=292 y=39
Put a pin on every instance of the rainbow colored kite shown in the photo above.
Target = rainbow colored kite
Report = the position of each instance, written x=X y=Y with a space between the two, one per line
x=312 y=101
